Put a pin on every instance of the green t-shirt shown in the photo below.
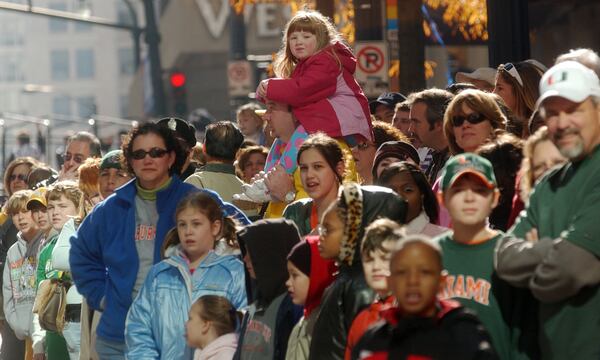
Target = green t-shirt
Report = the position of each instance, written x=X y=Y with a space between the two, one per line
x=566 y=204
x=473 y=282
x=56 y=347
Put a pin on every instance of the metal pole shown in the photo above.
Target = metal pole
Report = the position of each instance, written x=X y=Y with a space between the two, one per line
x=237 y=51
x=153 y=39
x=3 y=147
x=48 y=139
x=135 y=33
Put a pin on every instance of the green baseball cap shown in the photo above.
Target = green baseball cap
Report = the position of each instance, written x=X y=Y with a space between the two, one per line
x=468 y=163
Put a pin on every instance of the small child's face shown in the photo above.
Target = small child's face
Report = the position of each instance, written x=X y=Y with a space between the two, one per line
x=415 y=279
x=248 y=124
x=330 y=235
x=297 y=284
x=60 y=211
x=248 y=262
x=302 y=44
x=376 y=266
x=40 y=216
x=469 y=201
x=24 y=221
x=196 y=328
x=196 y=232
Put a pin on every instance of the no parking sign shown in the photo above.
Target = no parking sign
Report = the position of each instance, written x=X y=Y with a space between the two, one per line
x=372 y=67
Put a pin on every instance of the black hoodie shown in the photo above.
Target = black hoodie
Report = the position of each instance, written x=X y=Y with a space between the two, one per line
x=268 y=242
x=349 y=293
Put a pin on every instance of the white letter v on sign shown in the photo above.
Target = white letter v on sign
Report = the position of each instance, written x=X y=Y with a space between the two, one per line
x=215 y=24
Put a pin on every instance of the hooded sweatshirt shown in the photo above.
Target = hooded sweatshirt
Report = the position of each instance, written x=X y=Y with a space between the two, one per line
x=324 y=95
x=321 y=276
x=19 y=285
x=269 y=320
x=349 y=293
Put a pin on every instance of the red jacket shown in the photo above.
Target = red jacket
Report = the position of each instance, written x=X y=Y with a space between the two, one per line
x=324 y=95
x=364 y=320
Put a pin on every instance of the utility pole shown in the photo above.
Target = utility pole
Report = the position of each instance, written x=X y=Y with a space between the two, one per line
x=508 y=26
x=237 y=58
x=153 y=40
x=411 y=46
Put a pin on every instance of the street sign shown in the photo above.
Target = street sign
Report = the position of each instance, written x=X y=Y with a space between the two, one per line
x=239 y=75
x=372 y=67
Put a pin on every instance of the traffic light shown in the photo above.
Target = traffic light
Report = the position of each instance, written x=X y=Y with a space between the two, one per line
x=177 y=81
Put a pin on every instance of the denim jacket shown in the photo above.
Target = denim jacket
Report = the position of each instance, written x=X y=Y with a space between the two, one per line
x=155 y=324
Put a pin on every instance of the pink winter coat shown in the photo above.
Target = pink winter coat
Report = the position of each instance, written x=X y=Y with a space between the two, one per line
x=222 y=348
x=324 y=96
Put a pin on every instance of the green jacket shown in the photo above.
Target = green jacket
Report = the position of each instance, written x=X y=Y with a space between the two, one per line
x=562 y=268
x=299 y=212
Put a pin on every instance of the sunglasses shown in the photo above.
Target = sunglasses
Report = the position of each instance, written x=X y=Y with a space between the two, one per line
x=154 y=153
x=21 y=177
x=76 y=158
x=512 y=70
x=473 y=118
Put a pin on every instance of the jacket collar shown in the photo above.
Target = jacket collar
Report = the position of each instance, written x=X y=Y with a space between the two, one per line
x=394 y=315
x=128 y=192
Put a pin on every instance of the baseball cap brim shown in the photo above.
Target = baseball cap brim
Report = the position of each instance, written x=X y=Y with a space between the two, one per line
x=573 y=95
x=485 y=74
x=473 y=172
x=35 y=199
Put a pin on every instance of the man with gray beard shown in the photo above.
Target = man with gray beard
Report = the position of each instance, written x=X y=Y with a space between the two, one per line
x=553 y=249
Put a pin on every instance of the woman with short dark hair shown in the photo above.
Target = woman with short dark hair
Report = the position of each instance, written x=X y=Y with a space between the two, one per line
x=121 y=238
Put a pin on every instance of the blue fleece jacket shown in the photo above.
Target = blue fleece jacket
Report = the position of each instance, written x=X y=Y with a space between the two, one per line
x=155 y=326
x=103 y=257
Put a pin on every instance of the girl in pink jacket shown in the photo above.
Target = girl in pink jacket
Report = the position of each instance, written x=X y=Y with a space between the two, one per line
x=211 y=328
x=315 y=77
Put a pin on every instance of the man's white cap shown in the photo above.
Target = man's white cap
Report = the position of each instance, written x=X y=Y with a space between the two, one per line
x=570 y=80
x=486 y=74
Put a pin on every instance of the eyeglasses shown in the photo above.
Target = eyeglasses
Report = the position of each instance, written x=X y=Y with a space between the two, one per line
x=321 y=230
x=154 y=153
x=363 y=146
x=473 y=118
x=21 y=177
x=76 y=158
x=512 y=70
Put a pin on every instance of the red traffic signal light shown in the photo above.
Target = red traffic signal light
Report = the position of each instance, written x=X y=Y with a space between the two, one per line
x=177 y=79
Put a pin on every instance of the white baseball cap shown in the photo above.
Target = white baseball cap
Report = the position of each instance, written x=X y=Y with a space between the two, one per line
x=486 y=74
x=570 y=80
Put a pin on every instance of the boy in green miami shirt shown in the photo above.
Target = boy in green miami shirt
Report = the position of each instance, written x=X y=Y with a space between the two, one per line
x=470 y=193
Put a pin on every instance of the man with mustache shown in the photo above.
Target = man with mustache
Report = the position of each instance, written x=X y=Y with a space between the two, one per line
x=553 y=249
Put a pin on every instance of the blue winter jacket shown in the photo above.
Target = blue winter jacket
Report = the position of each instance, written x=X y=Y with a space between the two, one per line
x=155 y=326
x=103 y=257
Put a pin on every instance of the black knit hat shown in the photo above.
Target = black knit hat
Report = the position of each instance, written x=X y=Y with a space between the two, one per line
x=182 y=128
x=398 y=149
x=300 y=257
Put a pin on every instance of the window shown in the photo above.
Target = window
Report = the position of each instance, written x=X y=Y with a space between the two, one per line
x=58 y=25
x=84 y=7
x=85 y=63
x=61 y=105
x=124 y=16
x=86 y=106
x=59 y=61
x=126 y=61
